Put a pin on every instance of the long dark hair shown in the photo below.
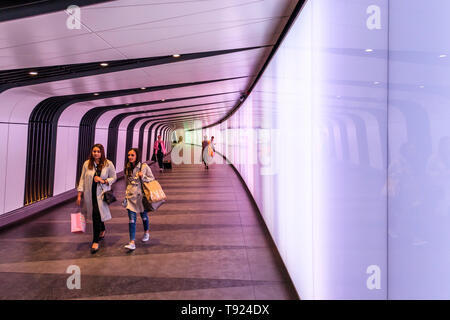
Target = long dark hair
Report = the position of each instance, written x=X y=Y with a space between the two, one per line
x=130 y=166
x=102 y=158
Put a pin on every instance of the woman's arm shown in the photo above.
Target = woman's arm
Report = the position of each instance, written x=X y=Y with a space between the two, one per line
x=112 y=177
x=79 y=198
x=147 y=175
x=80 y=187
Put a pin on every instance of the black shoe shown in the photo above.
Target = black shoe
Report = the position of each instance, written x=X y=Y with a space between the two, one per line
x=100 y=238
x=94 y=250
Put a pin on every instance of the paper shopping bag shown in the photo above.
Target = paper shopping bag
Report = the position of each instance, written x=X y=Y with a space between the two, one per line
x=210 y=151
x=153 y=191
x=78 y=222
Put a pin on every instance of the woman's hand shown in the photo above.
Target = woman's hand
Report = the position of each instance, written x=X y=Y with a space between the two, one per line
x=97 y=179
x=140 y=174
x=79 y=200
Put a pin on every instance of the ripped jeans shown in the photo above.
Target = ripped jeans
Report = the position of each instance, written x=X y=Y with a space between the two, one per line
x=132 y=223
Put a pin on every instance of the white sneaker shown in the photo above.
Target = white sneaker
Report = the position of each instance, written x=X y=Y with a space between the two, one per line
x=130 y=246
x=146 y=237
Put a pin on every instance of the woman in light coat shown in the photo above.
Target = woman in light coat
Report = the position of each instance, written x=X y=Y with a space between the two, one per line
x=97 y=176
x=135 y=173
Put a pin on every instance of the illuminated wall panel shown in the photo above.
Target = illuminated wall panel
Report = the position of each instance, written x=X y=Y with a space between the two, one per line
x=419 y=150
x=349 y=83
x=310 y=142
x=3 y=154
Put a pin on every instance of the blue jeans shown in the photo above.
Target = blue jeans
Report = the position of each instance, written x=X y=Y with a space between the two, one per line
x=132 y=223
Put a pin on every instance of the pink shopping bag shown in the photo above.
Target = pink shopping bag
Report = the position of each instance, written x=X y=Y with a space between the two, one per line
x=78 y=222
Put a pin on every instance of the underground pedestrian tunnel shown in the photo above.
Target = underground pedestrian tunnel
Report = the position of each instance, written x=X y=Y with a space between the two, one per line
x=330 y=173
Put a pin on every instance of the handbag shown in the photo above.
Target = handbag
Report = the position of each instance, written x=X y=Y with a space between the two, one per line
x=146 y=204
x=108 y=196
x=153 y=191
x=77 y=222
x=155 y=205
x=152 y=195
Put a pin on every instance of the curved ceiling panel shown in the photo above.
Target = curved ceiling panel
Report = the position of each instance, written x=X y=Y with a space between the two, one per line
x=127 y=30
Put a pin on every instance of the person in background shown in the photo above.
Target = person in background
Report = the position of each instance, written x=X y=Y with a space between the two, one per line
x=209 y=151
x=160 y=150
x=205 y=151
x=97 y=176
x=135 y=174
x=213 y=145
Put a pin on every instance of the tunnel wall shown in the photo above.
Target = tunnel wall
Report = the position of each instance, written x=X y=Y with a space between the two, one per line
x=310 y=143
x=344 y=144
x=17 y=105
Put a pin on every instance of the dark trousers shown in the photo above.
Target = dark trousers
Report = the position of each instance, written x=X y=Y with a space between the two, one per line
x=97 y=222
x=160 y=156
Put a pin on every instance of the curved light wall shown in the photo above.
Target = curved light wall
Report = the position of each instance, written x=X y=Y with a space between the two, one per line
x=310 y=143
x=349 y=126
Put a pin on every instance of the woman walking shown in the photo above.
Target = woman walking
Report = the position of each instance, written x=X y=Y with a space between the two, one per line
x=204 y=151
x=160 y=150
x=213 y=144
x=97 y=176
x=136 y=173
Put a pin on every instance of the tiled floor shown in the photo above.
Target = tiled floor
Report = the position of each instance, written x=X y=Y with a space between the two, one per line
x=203 y=245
